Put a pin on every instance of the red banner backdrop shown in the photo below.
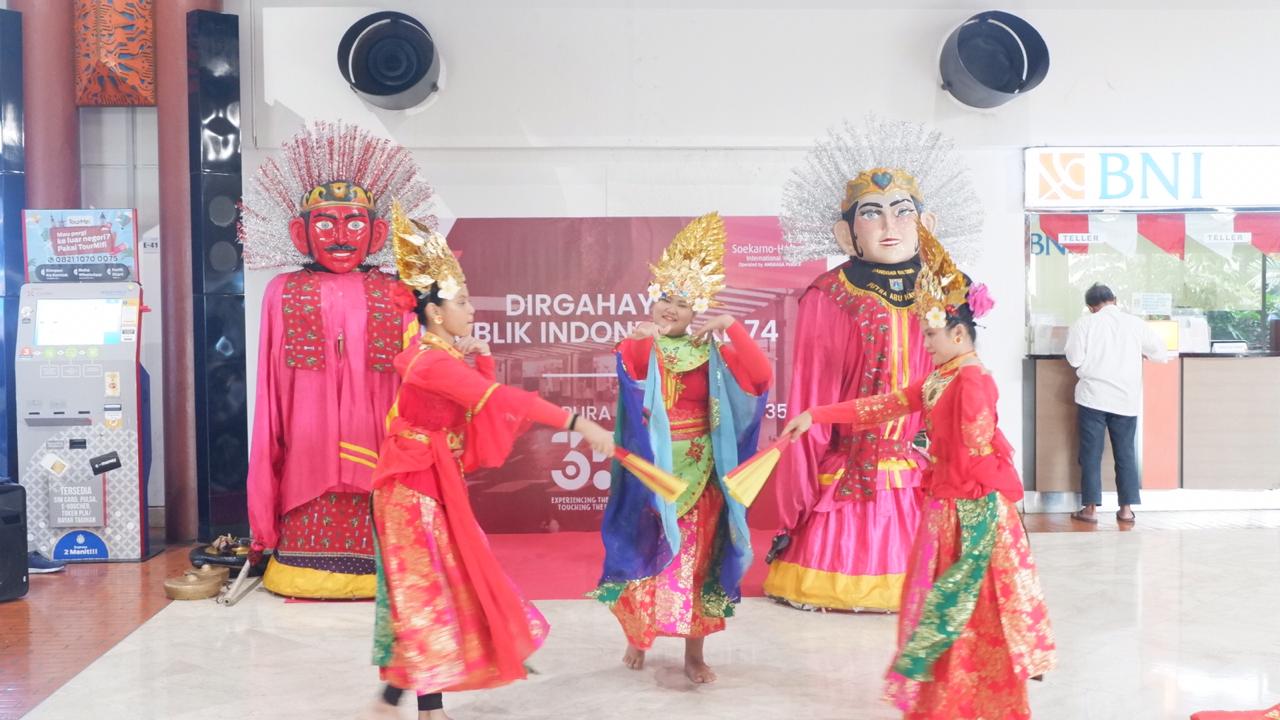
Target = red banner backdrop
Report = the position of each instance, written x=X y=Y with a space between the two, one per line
x=553 y=296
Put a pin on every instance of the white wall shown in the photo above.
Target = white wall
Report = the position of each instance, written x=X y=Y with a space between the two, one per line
x=119 y=169
x=624 y=107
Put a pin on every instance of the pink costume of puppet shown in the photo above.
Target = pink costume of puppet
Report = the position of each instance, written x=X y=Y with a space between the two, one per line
x=328 y=340
x=850 y=498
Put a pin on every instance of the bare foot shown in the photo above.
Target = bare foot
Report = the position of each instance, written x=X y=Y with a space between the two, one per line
x=1087 y=514
x=695 y=664
x=698 y=672
x=634 y=658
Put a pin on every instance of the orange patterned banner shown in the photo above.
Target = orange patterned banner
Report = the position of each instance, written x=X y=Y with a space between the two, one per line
x=115 y=53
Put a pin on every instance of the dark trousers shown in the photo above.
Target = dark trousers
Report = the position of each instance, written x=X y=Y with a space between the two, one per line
x=1123 y=428
x=426 y=703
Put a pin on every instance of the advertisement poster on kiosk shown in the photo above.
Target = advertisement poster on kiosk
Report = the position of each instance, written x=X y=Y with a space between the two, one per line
x=96 y=245
x=79 y=388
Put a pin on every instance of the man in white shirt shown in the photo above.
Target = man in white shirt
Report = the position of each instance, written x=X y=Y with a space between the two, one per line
x=1106 y=348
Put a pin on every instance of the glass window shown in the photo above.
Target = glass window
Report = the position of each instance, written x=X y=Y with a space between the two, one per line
x=1213 y=266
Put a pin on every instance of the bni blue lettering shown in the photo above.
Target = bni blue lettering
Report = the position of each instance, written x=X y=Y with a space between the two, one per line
x=1121 y=172
x=1195 y=176
x=1150 y=167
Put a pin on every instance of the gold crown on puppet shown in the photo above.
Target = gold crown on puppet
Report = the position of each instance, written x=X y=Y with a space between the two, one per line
x=336 y=192
x=878 y=180
x=423 y=257
x=692 y=266
x=940 y=287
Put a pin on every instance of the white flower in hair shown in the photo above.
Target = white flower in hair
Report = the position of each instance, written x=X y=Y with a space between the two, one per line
x=936 y=318
x=449 y=288
x=701 y=304
x=655 y=291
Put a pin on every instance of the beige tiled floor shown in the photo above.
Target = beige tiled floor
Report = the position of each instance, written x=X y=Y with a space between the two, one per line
x=1149 y=625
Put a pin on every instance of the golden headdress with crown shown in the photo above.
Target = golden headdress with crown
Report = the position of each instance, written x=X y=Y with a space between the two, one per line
x=423 y=257
x=941 y=289
x=692 y=266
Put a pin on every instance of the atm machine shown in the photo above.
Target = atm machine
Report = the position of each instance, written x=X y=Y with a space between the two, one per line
x=80 y=420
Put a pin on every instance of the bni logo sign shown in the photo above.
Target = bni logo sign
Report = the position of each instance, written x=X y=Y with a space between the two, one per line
x=1116 y=177
x=1062 y=176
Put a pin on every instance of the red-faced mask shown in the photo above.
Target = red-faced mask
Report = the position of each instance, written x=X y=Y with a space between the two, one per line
x=338 y=235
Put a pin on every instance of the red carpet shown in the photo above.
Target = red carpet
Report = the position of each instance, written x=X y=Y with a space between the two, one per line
x=566 y=565
x=1268 y=714
x=304 y=601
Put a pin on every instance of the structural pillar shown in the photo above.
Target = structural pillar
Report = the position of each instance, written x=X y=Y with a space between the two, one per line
x=12 y=200
x=52 y=118
x=181 y=516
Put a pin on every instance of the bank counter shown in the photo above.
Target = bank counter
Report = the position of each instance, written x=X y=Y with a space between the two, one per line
x=1209 y=422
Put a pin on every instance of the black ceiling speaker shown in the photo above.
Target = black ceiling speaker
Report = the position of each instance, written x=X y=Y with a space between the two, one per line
x=390 y=60
x=992 y=58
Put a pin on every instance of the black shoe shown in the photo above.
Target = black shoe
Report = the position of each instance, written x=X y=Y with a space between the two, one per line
x=780 y=543
x=38 y=564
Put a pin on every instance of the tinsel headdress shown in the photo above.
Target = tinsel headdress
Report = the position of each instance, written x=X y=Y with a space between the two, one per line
x=813 y=199
x=692 y=266
x=311 y=165
x=423 y=257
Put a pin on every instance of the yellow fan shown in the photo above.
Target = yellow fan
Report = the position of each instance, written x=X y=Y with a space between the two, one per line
x=745 y=481
x=667 y=486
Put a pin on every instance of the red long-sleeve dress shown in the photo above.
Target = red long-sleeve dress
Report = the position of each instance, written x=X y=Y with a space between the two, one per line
x=973 y=626
x=448 y=618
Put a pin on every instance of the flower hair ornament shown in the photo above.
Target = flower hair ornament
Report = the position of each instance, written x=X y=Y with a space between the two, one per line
x=692 y=266
x=943 y=293
x=877 y=156
x=423 y=258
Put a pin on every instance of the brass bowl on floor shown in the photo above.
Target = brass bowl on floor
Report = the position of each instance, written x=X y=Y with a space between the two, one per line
x=191 y=586
x=221 y=572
